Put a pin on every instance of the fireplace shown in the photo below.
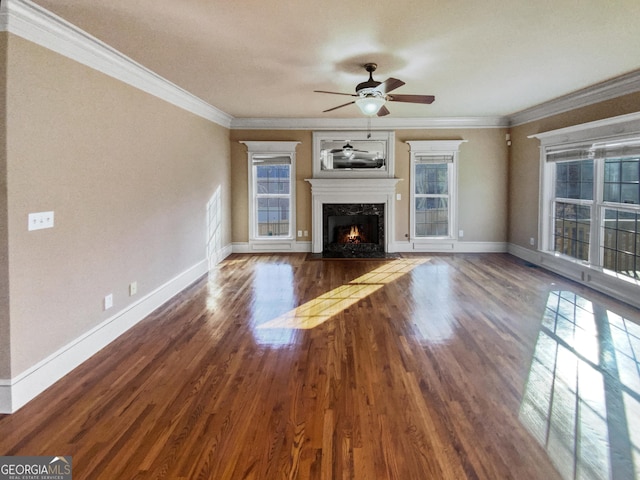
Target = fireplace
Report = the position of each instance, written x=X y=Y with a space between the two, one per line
x=364 y=203
x=353 y=230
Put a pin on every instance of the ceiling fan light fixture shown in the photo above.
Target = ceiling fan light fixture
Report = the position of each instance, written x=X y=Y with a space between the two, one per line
x=371 y=96
x=370 y=104
x=347 y=150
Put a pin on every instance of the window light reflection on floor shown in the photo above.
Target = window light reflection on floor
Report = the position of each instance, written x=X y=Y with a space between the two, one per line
x=582 y=398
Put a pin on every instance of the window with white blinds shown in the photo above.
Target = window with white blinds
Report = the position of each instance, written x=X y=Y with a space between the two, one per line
x=272 y=196
x=593 y=190
x=271 y=191
x=433 y=189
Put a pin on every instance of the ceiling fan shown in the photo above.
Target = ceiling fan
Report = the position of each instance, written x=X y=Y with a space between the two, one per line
x=372 y=95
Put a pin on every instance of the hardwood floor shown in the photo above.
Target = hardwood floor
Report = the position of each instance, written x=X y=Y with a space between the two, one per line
x=423 y=367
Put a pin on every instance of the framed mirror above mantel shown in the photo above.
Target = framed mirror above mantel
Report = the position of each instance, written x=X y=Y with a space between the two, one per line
x=353 y=154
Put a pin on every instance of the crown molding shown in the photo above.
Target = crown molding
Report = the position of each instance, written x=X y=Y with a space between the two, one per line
x=36 y=24
x=610 y=89
x=361 y=123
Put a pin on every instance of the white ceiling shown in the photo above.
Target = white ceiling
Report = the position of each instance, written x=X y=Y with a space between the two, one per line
x=264 y=58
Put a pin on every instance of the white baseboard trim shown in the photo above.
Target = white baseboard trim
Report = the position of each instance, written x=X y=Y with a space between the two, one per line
x=396 y=247
x=623 y=290
x=16 y=392
x=271 y=247
x=525 y=254
x=452 y=246
x=218 y=256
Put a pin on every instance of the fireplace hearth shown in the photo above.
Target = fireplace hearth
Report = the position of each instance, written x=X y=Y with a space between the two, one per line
x=353 y=230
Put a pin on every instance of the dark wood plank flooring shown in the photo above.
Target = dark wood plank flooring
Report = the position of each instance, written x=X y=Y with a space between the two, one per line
x=422 y=367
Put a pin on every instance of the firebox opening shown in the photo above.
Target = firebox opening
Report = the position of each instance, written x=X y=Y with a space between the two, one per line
x=353 y=229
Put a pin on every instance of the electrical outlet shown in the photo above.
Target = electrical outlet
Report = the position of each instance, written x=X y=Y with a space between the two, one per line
x=108 y=301
x=299 y=233
x=532 y=241
x=40 y=220
x=398 y=196
x=133 y=288
x=460 y=233
x=306 y=233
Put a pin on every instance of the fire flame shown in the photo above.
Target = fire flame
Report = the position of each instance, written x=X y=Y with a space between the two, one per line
x=354 y=234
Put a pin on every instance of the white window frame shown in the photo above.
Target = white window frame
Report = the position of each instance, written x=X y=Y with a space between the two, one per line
x=423 y=149
x=264 y=150
x=597 y=134
x=548 y=242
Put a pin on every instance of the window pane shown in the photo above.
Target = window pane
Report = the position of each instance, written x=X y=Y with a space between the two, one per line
x=629 y=171
x=621 y=242
x=432 y=217
x=574 y=179
x=561 y=190
x=629 y=193
x=622 y=181
x=432 y=178
x=273 y=217
x=273 y=179
x=611 y=171
x=612 y=192
x=572 y=230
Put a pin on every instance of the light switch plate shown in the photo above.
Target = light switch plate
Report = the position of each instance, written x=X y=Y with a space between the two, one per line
x=108 y=301
x=40 y=220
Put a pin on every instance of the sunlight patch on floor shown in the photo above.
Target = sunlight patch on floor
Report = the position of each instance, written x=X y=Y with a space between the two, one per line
x=322 y=308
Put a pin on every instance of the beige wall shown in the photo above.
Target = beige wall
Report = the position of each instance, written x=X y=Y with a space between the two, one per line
x=482 y=180
x=5 y=352
x=128 y=177
x=524 y=164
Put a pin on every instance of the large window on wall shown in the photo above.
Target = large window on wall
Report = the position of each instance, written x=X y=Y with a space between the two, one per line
x=271 y=191
x=592 y=192
x=433 y=189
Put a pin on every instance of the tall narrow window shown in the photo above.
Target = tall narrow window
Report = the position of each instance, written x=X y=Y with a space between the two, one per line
x=621 y=216
x=433 y=189
x=271 y=193
x=431 y=192
x=573 y=203
x=272 y=177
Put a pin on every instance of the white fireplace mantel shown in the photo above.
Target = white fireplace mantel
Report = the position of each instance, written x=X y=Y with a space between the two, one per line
x=352 y=190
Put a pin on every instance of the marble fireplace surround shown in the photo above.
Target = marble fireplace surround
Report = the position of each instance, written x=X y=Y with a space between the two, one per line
x=352 y=190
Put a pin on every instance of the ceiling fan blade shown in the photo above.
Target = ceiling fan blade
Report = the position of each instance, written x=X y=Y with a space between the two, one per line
x=390 y=84
x=339 y=106
x=336 y=93
x=383 y=111
x=412 y=98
